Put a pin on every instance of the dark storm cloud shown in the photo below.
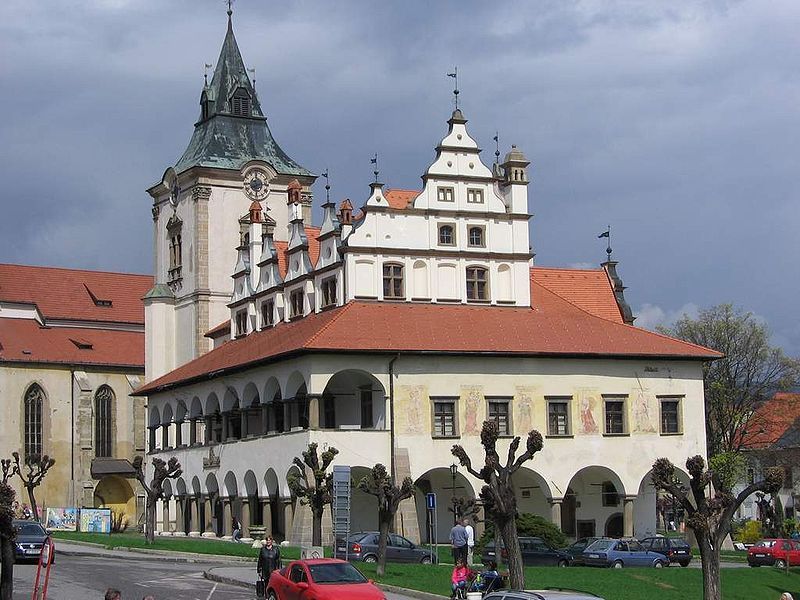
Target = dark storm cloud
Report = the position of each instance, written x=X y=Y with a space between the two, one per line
x=677 y=123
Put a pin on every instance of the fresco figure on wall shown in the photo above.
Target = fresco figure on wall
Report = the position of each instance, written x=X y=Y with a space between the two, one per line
x=525 y=412
x=588 y=424
x=641 y=414
x=473 y=400
x=412 y=409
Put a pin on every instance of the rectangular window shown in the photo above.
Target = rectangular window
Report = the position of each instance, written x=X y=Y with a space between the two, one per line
x=475 y=196
x=558 y=416
x=499 y=412
x=366 y=409
x=241 y=323
x=615 y=414
x=444 y=417
x=393 y=281
x=445 y=194
x=268 y=313
x=670 y=415
x=477 y=283
x=297 y=302
x=329 y=291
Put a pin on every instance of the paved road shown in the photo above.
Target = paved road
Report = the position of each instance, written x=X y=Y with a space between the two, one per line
x=88 y=577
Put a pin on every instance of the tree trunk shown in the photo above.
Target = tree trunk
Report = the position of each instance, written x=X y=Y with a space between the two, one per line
x=34 y=507
x=709 y=557
x=316 y=526
x=516 y=575
x=150 y=520
x=384 y=521
x=7 y=576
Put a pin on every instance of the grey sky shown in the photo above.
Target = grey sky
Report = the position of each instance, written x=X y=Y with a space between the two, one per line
x=678 y=123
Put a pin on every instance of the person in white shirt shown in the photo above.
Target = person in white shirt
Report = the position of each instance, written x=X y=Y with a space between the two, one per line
x=470 y=541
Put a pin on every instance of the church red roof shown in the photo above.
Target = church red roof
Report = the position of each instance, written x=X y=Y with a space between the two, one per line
x=313 y=249
x=773 y=418
x=588 y=289
x=552 y=327
x=400 y=199
x=75 y=294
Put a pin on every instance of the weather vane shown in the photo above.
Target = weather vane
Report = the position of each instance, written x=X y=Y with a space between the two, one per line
x=230 y=7
x=454 y=75
x=253 y=71
x=327 y=187
x=207 y=66
x=374 y=161
x=607 y=234
x=496 y=139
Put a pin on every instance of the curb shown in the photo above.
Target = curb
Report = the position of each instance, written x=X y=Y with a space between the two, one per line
x=147 y=554
x=386 y=588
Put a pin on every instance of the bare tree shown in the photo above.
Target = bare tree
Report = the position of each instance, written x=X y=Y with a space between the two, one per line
x=736 y=385
x=499 y=500
x=317 y=491
x=381 y=485
x=154 y=490
x=710 y=506
x=465 y=508
x=36 y=467
x=7 y=531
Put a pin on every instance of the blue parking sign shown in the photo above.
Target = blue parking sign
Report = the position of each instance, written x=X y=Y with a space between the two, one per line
x=430 y=501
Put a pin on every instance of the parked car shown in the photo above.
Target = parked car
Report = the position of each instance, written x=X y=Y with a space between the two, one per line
x=548 y=594
x=774 y=552
x=30 y=539
x=607 y=552
x=535 y=552
x=676 y=550
x=575 y=550
x=364 y=546
x=322 y=579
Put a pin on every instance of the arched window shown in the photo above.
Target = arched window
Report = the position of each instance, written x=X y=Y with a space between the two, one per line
x=447 y=235
x=34 y=404
x=476 y=236
x=103 y=426
x=240 y=103
x=477 y=283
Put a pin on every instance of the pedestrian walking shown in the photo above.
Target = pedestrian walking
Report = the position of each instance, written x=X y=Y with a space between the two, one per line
x=470 y=541
x=458 y=539
x=237 y=531
x=269 y=558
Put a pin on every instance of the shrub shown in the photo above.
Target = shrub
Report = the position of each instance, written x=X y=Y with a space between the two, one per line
x=751 y=532
x=789 y=527
x=528 y=525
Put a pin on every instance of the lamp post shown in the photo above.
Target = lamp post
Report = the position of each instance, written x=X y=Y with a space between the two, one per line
x=453 y=472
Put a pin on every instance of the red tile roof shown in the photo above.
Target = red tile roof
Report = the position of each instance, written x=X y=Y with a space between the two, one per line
x=67 y=293
x=220 y=330
x=400 y=199
x=313 y=249
x=25 y=341
x=772 y=419
x=554 y=327
x=585 y=288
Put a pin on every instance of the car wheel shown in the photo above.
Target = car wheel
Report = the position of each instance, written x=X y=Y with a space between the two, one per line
x=426 y=560
x=370 y=558
x=563 y=563
x=780 y=564
x=658 y=564
x=617 y=564
x=685 y=563
x=272 y=595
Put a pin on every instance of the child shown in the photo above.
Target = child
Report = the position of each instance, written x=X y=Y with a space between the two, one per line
x=460 y=575
x=487 y=579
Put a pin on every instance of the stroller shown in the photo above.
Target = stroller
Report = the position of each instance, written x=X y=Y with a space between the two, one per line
x=485 y=583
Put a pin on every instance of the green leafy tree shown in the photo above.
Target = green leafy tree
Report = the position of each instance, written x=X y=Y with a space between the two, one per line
x=499 y=499
x=7 y=532
x=751 y=371
x=381 y=485
x=710 y=506
x=32 y=471
x=316 y=491
x=528 y=525
x=154 y=489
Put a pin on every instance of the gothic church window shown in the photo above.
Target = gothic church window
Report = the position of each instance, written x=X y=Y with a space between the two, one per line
x=34 y=405
x=477 y=283
x=240 y=103
x=103 y=429
x=393 y=281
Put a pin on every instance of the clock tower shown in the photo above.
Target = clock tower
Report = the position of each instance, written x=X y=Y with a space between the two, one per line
x=199 y=208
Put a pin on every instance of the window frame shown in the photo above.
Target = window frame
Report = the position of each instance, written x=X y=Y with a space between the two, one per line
x=554 y=400
x=615 y=398
x=482 y=230
x=104 y=422
x=500 y=400
x=439 y=230
x=329 y=289
x=392 y=279
x=268 y=313
x=241 y=103
x=475 y=283
x=678 y=402
x=442 y=400
x=240 y=323
x=476 y=194
x=293 y=304
x=442 y=194
x=33 y=420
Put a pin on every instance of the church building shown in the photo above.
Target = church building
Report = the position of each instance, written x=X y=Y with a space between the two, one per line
x=390 y=331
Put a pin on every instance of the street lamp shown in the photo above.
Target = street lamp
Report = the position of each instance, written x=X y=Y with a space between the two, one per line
x=453 y=472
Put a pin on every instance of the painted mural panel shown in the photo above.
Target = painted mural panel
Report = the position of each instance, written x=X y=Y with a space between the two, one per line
x=474 y=409
x=96 y=520
x=412 y=409
x=523 y=415
x=590 y=409
x=61 y=519
x=645 y=412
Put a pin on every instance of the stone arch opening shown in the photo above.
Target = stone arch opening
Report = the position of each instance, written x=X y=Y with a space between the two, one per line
x=353 y=399
x=441 y=482
x=116 y=493
x=657 y=511
x=594 y=494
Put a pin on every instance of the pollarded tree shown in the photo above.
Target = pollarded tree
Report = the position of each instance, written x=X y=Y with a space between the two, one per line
x=7 y=532
x=381 y=485
x=709 y=516
x=317 y=491
x=36 y=467
x=154 y=490
x=499 y=500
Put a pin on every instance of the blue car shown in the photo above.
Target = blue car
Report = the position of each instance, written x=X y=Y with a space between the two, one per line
x=607 y=552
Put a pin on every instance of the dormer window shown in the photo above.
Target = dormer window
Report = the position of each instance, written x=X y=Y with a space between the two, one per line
x=204 y=107
x=241 y=323
x=240 y=103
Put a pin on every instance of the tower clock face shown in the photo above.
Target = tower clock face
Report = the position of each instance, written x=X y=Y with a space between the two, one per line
x=256 y=186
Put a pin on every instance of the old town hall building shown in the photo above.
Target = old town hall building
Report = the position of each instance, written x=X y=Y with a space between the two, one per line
x=390 y=331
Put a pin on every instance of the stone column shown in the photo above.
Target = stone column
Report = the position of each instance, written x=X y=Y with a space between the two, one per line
x=245 y=517
x=151 y=446
x=178 y=434
x=266 y=516
x=627 y=516
x=225 y=421
x=555 y=511
x=194 y=521
x=192 y=431
x=243 y=422
x=288 y=516
x=264 y=419
x=165 y=515
x=208 y=514
x=313 y=411
x=165 y=436
x=227 y=517
x=180 y=522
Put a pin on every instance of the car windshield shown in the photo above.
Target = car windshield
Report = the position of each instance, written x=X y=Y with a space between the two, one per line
x=764 y=543
x=600 y=545
x=336 y=573
x=30 y=529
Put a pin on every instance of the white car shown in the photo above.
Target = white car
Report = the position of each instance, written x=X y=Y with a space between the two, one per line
x=548 y=594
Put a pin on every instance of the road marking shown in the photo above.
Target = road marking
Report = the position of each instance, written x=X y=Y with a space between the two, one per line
x=211 y=593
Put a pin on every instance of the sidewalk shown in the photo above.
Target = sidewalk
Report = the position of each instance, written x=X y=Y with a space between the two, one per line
x=246 y=577
x=72 y=548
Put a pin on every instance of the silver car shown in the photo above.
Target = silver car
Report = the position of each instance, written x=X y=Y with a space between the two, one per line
x=548 y=594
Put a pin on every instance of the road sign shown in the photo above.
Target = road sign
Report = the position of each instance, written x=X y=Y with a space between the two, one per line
x=430 y=501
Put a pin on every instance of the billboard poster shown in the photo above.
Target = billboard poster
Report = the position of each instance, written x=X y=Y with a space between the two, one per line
x=96 y=520
x=62 y=519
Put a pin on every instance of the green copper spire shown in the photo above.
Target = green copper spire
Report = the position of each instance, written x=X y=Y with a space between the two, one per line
x=232 y=129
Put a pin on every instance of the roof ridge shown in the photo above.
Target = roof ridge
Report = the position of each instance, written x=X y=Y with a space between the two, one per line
x=567 y=269
x=344 y=308
x=51 y=268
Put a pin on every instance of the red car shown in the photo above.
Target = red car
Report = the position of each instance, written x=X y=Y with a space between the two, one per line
x=774 y=552
x=321 y=579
